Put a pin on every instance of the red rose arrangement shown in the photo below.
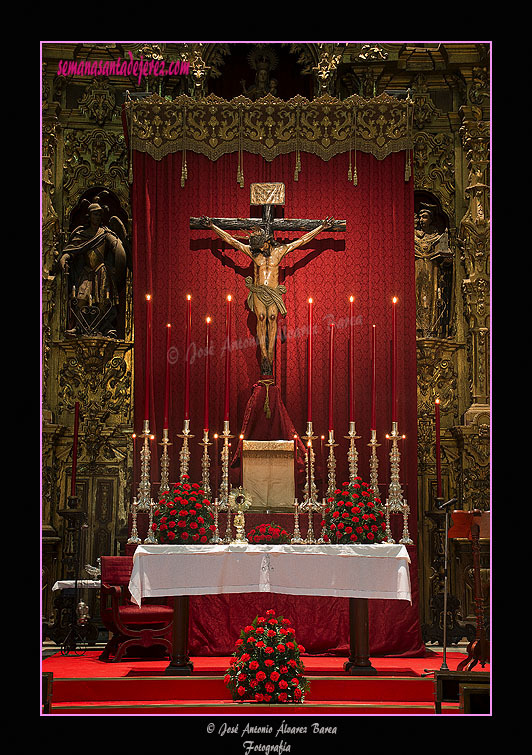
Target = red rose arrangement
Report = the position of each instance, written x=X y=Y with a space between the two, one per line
x=268 y=534
x=183 y=516
x=266 y=665
x=354 y=515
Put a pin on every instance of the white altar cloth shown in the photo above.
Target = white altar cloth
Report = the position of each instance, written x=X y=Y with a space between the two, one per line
x=349 y=571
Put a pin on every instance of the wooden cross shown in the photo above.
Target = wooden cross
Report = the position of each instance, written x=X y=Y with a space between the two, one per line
x=266 y=196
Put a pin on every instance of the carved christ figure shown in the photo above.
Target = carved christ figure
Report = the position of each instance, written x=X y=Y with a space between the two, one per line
x=265 y=294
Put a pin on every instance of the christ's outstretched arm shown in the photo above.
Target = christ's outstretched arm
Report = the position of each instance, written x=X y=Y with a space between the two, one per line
x=230 y=239
x=327 y=223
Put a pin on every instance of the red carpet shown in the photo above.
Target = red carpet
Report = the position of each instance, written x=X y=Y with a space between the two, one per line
x=84 y=685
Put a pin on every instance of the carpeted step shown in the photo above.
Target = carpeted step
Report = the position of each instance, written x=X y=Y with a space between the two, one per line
x=146 y=689
x=224 y=707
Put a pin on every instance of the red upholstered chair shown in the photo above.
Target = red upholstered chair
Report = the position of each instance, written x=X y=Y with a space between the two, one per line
x=147 y=625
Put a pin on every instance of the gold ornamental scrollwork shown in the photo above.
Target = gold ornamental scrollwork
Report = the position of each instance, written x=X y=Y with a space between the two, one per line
x=270 y=126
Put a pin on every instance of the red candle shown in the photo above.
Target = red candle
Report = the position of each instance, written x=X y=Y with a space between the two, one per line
x=309 y=363
x=351 y=359
x=134 y=436
x=227 y=358
x=206 y=387
x=373 y=378
x=75 y=450
x=295 y=466
x=147 y=371
x=394 y=361
x=331 y=376
x=187 y=356
x=167 y=381
x=438 y=459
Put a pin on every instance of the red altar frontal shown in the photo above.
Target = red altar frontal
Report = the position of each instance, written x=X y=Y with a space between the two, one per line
x=206 y=368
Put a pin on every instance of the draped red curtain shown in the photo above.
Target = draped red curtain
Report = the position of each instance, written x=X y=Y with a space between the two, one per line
x=372 y=261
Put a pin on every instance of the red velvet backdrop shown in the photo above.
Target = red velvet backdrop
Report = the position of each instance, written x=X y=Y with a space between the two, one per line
x=373 y=261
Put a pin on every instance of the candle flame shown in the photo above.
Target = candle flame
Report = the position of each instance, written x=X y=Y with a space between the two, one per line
x=148 y=297
x=168 y=325
x=216 y=435
x=351 y=298
x=229 y=297
x=395 y=299
x=310 y=301
x=437 y=400
x=241 y=436
x=189 y=297
x=208 y=319
x=134 y=436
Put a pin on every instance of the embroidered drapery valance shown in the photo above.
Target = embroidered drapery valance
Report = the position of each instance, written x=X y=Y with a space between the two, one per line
x=270 y=127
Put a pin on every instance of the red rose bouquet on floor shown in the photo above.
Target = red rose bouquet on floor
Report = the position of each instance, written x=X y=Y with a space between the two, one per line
x=266 y=665
x=268 y=534
x=354 y=515
x=183 y=516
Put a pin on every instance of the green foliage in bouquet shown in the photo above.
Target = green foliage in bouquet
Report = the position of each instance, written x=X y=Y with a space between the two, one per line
x=183 y=515
x=354 y=515
x=266 y=665
x=268 y=534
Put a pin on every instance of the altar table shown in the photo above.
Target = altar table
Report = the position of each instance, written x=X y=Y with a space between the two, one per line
x=357 y=572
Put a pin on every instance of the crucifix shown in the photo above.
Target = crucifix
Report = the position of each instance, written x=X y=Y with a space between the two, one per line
x=265 y=293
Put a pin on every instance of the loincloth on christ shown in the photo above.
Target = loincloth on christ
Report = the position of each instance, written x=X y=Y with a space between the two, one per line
x=266 y=295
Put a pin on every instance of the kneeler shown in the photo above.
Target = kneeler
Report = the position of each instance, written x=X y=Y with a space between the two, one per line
x=146 y=626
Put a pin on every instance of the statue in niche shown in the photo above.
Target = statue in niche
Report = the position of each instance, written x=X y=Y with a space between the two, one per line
x=94 y=260
x=263 y=60
x=433 y=258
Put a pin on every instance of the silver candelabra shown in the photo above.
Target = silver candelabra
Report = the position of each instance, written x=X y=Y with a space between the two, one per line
x=184 y=456
x=396 y=503
x=165 y=465
x=352 y=454
x=144 y=492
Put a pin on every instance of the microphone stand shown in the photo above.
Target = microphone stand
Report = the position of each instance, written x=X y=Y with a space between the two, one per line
x=444 y=666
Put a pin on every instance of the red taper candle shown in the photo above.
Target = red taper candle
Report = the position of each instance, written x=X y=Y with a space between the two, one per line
x=351 y=368
x=187 y=356
x=309 y=363
x=167 y=378
x=75 y=450
x=394 y=360
x=373 y=379
x=207 y=377
x=331 y=376
x=227 y=358
x=147 y=371
x=438 y=449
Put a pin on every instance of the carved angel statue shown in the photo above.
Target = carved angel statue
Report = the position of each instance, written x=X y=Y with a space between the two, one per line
x=95 y=261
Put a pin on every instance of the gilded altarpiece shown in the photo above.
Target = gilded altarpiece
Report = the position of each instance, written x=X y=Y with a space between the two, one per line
x=446 y=126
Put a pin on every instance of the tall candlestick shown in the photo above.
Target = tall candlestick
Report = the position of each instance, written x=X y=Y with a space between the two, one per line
x=438 y=450
x=373 y=379
x=207 y=376
x=75 y=450
x=394 y=361
x=147 y=371
x=187 y=356
x=215 y=464
x=167 y=380
x=351 y=359
x=331 y=376
x=309 y=363
x=227 y=358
